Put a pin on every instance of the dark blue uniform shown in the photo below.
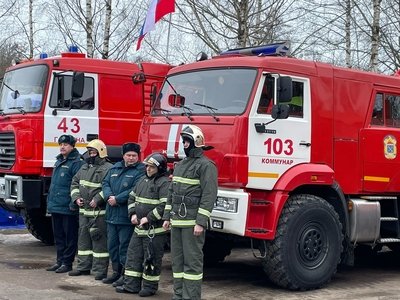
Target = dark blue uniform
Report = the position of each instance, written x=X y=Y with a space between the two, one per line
x=64 y=216
x=118 y=182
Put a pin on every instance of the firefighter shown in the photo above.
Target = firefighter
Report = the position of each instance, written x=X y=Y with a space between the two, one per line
x=87 y=194
x=117 y=184
x=146 y=207
x=191 y=198
x=64 y=216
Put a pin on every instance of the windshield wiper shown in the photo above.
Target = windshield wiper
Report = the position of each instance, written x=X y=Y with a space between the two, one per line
x=187 y=111
x=164 y=112
x=19 y=108
x=210 y=109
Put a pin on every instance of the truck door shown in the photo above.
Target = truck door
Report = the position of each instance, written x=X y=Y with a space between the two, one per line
x=275 y=147
x=64 y=115
x=379 y=143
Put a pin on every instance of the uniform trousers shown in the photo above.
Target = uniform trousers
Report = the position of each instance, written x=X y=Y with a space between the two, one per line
x=187 y=263
x=65 y=229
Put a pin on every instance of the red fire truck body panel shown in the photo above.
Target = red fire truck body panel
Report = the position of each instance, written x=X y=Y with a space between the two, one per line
x=308 y=166
x=119 y=119
x=37 y=108
x=340 y=110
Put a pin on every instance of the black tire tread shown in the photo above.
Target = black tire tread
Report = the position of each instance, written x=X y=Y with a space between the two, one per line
x=39 y=225
x=273 y=264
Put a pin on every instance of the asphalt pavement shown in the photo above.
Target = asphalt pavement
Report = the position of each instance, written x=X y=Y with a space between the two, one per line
x=23 y=260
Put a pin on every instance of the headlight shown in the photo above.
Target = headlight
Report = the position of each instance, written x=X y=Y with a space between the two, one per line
x=226 y=204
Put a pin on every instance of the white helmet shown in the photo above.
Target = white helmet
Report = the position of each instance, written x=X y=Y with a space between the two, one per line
x=194 y=133
x=99 y=146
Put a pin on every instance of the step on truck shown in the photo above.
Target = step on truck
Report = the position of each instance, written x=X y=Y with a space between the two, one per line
x=308 y=167
x=42 y=99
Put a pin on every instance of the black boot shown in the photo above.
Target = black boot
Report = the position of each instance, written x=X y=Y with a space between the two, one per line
x=120 y=280
x=115 y=274
x=146 y=292
x=122 y=289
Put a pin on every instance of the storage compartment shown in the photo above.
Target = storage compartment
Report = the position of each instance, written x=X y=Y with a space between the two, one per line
x=365 y=221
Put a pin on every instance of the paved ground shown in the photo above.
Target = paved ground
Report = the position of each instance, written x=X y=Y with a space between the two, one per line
x=22 y=276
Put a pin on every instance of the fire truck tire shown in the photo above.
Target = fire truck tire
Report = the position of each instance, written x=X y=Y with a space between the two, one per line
x=216 y=249
x=308 y=244
x=39 y=225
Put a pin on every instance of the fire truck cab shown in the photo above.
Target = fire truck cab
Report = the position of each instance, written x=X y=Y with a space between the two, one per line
x=306 y=155
x=44 y=98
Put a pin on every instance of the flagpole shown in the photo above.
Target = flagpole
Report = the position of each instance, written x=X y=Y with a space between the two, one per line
x=169 y=30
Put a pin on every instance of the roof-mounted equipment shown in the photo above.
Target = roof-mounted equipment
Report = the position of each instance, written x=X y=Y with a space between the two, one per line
x=277 y=49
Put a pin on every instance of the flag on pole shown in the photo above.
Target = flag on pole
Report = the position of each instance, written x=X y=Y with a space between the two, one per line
x=157 y=10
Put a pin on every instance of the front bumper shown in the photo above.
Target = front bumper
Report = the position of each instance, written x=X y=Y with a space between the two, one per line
x=18 y=193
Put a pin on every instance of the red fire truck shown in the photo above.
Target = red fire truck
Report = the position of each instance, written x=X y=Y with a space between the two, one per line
x=70 y=94
x=306 y=155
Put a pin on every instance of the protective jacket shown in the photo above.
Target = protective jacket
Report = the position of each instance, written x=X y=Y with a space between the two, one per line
x=148 y=199
x=92 y=242
x=191 y=198
x=59 y=198
x=146 y=247
x=192 y=192
x=86 y=184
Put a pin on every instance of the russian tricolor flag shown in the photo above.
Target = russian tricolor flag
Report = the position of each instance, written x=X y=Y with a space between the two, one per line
x=157 y=10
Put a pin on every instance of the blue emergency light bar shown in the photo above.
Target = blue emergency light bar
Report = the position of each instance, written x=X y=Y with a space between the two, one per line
x=43 y=55
x=73 y=49
x=277 y=49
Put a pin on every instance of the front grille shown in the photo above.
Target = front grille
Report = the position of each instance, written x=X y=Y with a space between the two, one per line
x=7 y=150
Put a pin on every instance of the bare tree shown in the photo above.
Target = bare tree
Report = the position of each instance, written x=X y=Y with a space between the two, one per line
x=8 y=52
x=107 y=25
x=231 y=23
x=389 y=56
x=101 y=29
x=375 y=35
x=89 y=28
x=347 y=30
x=360 y=34
x=30 y=24
x=17 y=24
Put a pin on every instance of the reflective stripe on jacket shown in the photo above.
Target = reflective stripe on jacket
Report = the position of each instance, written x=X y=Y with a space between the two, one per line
x=193 y=191
x=86 y=184
x=148 y=199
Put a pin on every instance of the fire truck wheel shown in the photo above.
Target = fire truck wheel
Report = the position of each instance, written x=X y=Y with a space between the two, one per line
x=306 y=250
x=39 y=225
x=215 y=249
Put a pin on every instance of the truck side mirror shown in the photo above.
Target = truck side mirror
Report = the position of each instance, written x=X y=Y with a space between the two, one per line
x=285 y=89
x=78 y=83
x=176 y=100
x=280 y=111
x=138 y=78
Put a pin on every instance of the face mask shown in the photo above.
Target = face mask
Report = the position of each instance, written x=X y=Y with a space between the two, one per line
x=91 y=160
x=191 y=146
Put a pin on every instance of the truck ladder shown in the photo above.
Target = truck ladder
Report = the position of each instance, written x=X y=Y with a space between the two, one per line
x=396 y=224
x=390 y=216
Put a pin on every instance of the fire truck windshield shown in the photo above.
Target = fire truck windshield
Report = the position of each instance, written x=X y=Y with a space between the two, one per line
x=22 y=90
x=211 y=91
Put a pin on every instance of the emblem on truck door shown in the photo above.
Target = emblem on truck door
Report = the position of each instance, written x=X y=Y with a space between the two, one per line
x=390 y=148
